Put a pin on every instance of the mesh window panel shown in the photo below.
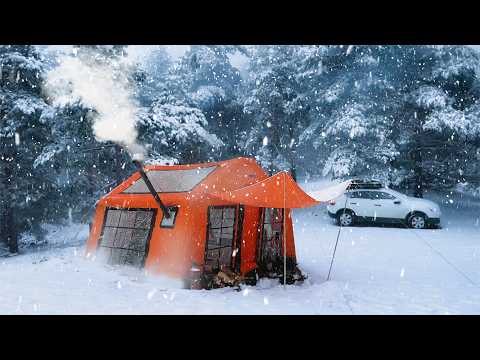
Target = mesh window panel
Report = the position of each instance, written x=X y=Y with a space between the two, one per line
x=215 y=219
x=125 y=236
x=127 y=219
x=108 y=237
x=113 y=217
x=271 y=246
x=214 y=238
x=229 y=213
x=171 y=180
x=138 y=239
x=143 y=219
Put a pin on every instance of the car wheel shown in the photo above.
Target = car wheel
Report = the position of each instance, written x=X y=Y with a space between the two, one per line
x=417 y=221
x=345 y=218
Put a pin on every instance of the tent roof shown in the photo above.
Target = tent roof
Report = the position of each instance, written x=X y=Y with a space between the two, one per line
x=277 y=191
x=238 y=181
x=194 y=179
x=171 y=180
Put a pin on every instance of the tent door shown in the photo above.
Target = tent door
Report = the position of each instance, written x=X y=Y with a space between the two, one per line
x=222 y=250
x=270 y=242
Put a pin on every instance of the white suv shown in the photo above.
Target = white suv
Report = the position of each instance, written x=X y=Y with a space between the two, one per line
x=383 y=205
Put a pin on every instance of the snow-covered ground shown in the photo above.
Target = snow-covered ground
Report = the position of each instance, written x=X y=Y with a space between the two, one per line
x=376 y=271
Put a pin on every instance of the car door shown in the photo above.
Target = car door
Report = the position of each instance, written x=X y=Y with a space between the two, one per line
x=359 y=201
x=387 y=206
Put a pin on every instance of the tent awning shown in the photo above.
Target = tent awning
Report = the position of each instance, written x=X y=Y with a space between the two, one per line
x=277 y=191
x=281 y=191
x=331 y=192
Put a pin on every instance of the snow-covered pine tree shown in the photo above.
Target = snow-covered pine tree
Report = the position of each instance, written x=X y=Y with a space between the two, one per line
x=403 y=114
x=351 y=98
x=23 y=134
x=277 y=106
x=437 y=132
x=151 y=74
x=81 y=168
x=175 y=132
x=205 y=79
x=194 y=112
x=456 y=124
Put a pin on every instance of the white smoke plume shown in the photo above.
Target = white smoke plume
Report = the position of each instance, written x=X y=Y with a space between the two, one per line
x=103 y=87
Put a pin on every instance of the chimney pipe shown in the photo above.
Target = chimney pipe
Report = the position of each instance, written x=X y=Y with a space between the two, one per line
x=150 y=187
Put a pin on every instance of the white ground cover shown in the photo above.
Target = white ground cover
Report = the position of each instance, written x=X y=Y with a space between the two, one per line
x=389 y=270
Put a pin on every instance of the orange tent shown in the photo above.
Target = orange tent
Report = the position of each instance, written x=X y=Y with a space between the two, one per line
x=277 y=191
x=226 y=215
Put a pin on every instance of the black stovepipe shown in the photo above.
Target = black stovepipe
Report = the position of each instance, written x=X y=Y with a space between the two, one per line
x=150 y=187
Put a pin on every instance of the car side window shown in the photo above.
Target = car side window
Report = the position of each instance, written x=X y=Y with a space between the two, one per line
x=375 y=195
x=380 y=195
x=357 y=195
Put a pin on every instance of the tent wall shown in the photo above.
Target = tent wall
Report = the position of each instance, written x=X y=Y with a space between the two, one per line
x=173 y=250
x=169 y=248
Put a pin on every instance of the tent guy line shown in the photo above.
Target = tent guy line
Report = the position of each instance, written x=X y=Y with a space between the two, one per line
x=336 y=242
x=444 y=258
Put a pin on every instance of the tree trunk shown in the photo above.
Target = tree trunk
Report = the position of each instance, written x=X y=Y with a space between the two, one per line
x=418 y=142
x=417 y=166
x=293 y=165
x=9 y=230
x=293 y=172
x=418 y=174
x=292 y=152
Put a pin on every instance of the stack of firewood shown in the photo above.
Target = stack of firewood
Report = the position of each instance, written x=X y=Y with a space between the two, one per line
x=227 y=278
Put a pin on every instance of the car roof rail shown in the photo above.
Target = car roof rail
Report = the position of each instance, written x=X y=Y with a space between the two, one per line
x=364 y=184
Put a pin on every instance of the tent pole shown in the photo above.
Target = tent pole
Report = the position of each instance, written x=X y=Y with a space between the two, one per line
x=284 y=232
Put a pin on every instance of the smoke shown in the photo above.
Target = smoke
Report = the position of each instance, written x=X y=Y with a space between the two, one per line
x=103 y=87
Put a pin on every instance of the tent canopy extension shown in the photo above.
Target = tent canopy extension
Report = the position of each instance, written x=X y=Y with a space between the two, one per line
x=277 y=191
x=225 y=216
